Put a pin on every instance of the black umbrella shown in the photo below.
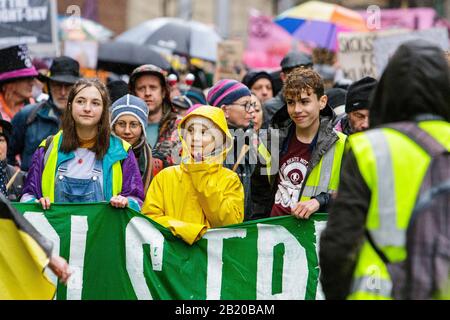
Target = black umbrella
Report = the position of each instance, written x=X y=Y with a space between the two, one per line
x=123 y=58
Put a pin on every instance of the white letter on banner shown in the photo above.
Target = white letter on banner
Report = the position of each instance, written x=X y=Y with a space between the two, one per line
x=215 y=239
x=40 y=222
x=295 y=265
x=78 y=232
x=319 y=227
x=141 y=231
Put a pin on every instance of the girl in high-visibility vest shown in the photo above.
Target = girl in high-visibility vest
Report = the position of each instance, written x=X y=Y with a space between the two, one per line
x=83 y=162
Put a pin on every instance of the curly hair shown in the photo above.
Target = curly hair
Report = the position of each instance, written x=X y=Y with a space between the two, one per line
x=303 y=80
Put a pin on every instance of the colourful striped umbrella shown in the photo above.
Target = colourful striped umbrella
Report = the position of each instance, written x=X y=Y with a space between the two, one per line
x=319 y=22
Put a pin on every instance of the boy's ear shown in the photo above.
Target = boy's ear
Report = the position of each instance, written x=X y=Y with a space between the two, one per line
x=323 y=102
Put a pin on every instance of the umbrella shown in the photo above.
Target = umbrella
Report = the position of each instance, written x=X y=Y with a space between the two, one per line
x=176 y=35
x=70 y=28
x=123 y=58
x=319 y=22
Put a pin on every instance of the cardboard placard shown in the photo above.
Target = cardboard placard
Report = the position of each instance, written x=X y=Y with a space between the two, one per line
x=229 y=60
x=356 y=53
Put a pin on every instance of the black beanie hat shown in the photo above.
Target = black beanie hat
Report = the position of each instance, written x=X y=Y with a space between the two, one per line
x=117 y=89
x=358 y=94
x=336 y=97
x=252 y=76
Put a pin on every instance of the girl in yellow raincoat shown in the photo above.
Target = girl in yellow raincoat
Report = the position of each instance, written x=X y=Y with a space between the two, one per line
x=199 y=193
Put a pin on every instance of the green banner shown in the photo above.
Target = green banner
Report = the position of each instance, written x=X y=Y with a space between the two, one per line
x=121 y=254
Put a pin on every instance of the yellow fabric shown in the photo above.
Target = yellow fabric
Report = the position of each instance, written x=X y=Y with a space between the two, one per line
x=192 y=197
x=314 y=177
x=409 y=165
x=22 y=262
x=117 y=173
x=262 y=150
x=328 y=12
x=87 y=144
x=48 y=175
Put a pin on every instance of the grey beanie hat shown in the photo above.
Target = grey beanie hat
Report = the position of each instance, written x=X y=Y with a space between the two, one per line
x=130 y=105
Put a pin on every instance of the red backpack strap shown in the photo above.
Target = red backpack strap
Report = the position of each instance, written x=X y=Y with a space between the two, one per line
x=157 y=166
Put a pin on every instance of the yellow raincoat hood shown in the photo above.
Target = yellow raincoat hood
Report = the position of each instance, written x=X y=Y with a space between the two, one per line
x=194 y=196
x=217 y=116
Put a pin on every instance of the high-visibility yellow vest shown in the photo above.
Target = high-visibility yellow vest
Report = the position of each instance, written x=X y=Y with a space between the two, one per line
x=393 y=167
x=50 y=163
x=262 y=150
x=325 y=175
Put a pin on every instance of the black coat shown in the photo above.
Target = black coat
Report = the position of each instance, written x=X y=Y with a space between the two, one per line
x=264 y=189
x=16 y=189
x=416 y=82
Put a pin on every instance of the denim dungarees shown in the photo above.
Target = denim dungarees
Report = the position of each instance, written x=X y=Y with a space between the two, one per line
x=69 y=189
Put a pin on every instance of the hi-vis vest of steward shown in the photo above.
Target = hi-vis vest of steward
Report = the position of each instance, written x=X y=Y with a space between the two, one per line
x=393 y=167
x=51 y=160
x=324 y=177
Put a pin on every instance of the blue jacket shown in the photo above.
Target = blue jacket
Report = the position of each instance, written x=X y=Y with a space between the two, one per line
x=30 y=126
x=131 y=187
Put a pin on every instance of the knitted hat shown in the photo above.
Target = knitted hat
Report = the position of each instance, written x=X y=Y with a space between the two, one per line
x=336 y=99
x=195 y=95
x=117 y=89
x=130 y=105
x=252 y=76
x=358 y=94
x=182 y=102
x=226 y=92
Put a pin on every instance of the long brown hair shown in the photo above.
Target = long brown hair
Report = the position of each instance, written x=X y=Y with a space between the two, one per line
x=70 y=141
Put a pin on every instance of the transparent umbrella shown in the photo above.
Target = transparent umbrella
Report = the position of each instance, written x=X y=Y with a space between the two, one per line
x=70 y=28
x=175 y=35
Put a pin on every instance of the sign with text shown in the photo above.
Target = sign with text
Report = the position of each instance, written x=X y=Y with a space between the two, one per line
x=356 y=53
x=385 y=47
x=122 y=254
x=29 y=21
x=229 y=60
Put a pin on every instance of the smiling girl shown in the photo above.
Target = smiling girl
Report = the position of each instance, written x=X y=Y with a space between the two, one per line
x=83 y=162
x=199 y=193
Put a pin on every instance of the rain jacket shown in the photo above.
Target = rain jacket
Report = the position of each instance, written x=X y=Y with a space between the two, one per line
x=131 y=186
x=191 y=197
x=414 y=87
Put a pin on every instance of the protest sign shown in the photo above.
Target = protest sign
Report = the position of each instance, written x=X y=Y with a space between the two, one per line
x=32 y=22
x=385 y=47
x=122 y=254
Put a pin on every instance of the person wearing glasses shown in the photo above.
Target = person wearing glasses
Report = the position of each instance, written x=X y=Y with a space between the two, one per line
x=129 y=116
x=235 y=99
